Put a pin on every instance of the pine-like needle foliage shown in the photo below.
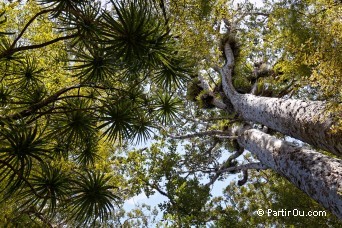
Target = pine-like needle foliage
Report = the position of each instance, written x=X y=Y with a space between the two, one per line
x=22 y=147
x=76 y=81
x=92 y=198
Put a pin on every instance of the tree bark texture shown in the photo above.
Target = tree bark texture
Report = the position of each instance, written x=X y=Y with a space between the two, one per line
x=318 y=175
x=308 y=121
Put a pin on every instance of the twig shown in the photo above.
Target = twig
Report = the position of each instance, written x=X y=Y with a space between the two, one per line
x=27 y=25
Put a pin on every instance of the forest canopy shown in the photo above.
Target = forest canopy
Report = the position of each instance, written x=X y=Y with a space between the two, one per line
x=101 y=101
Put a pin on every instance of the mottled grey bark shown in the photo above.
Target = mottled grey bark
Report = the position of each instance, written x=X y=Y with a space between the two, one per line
x=316 y=174
x=308 y=121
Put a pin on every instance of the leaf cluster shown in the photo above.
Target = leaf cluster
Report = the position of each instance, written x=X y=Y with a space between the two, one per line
x=92 y=77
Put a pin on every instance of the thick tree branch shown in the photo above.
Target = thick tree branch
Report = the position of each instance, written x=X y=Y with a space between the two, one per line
x=10 y=52
x=40 y=216
x=213 y=119
x=244 y=179
x=212 y=133
x=316 y=174
x=212 y=149
x=245 y=167
x=41 y=104
x=156 y=187
x=252 y=165
x=308 y=121
x=218 y=103
x=34 y=108
x=226 y=72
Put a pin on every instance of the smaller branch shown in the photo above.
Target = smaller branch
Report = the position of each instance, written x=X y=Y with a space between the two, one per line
x=259 y=14
x=50 y=111
x=218 y=103
x=40 y=216
x=141 y=150
x=245 y=167
x=75 y=96
x=35 y=46
x=10 y=52
x=208 y=119
x=212 y=149
x=213 y=133
x=226 y=72
x=226 y=165
x=64 y=110
x=253 y=165
x=226 y=137
x=162 y=6
x=244 y=179
x=155 y=186
x=34 y=108
x=22 y=178
x=27 y=25
x=212 y=79
x=41 y=104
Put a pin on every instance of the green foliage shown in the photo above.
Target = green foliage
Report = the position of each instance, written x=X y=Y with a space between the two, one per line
x=204 y=100
x=33 y=96
x=136 y=35
x=301 y=31
x=187 y=200
x=3 y=20
x=62 y=6
x=91 y=197
x=21 y=147
x=167 y=107
x=88 y=155
x=50 y=185
x=5 y=95
x=205 y=8
x=77 y=124
x=242 y=84
x=77 y=78
x=264 y=191
x=85 y=22
x=119 y=118
x=94 y=65
x=174 y=72
x=27 y=74
x=81 y=85
x=193 y=89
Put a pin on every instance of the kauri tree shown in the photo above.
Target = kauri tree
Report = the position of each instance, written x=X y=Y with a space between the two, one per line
x=83 y=83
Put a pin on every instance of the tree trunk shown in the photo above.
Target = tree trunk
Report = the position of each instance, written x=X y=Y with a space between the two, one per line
x=308 y=121
x=316 y=174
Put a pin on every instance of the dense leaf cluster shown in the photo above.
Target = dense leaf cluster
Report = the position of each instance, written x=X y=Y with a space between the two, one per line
x=116 y=71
